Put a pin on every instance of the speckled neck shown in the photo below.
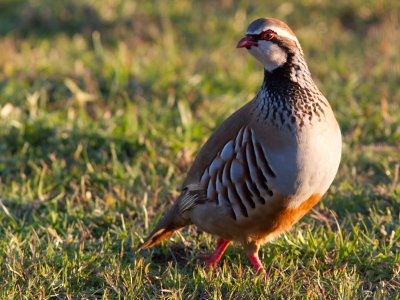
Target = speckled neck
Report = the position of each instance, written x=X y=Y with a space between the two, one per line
x=288 y=96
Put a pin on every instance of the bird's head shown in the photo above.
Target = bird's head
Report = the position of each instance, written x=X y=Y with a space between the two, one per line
x=271 y=42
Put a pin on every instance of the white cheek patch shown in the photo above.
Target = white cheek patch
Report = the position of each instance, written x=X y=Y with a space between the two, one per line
x=270 y=55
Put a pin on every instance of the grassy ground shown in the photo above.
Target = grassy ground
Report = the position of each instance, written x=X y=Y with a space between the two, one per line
x=103 y=105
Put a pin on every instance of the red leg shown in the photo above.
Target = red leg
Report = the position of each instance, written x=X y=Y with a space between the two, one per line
x=216 y=256
x=208 y=257
x=256 y=263
x=220 y=242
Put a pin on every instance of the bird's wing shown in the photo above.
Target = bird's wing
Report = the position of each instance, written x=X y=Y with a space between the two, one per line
x=194 y=191
x=231 y=169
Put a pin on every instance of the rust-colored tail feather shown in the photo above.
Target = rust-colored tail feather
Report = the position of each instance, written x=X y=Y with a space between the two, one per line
x=156 y=237
x=169 y=223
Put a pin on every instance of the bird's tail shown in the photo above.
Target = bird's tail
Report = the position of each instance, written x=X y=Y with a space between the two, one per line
x=156 y=237
x=168 y=224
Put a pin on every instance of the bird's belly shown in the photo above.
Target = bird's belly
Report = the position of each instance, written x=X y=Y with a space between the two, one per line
x=264 y=223
x=271 y=221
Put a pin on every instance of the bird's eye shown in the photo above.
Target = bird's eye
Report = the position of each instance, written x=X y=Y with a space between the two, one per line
x=268 y=35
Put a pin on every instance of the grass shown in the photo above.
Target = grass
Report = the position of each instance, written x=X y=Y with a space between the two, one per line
x=103 y=105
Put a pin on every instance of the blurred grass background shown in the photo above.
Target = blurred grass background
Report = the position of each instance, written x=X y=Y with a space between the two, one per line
x=103 y=105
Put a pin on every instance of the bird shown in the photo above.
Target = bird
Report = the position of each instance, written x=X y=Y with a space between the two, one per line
x=268 y=163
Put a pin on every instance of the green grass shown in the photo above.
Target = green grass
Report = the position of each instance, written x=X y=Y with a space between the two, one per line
x=103 y=105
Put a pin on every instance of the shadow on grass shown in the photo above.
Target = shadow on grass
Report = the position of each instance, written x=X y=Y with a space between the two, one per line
x=39 y=143
x=45 y=18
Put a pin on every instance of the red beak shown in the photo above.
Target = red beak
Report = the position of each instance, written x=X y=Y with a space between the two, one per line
x=246 y=43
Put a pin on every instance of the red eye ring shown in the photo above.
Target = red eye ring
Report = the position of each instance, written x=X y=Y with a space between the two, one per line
x=267 y=35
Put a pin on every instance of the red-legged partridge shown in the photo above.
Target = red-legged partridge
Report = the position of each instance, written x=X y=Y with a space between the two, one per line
x=269 y=163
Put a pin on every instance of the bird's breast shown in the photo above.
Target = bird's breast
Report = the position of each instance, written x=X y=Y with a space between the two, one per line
x=306 y=162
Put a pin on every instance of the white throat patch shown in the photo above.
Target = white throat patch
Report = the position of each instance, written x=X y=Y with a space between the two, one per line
x=269 y=54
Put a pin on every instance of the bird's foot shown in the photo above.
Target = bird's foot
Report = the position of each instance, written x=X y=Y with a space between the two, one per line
x=255 y=261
